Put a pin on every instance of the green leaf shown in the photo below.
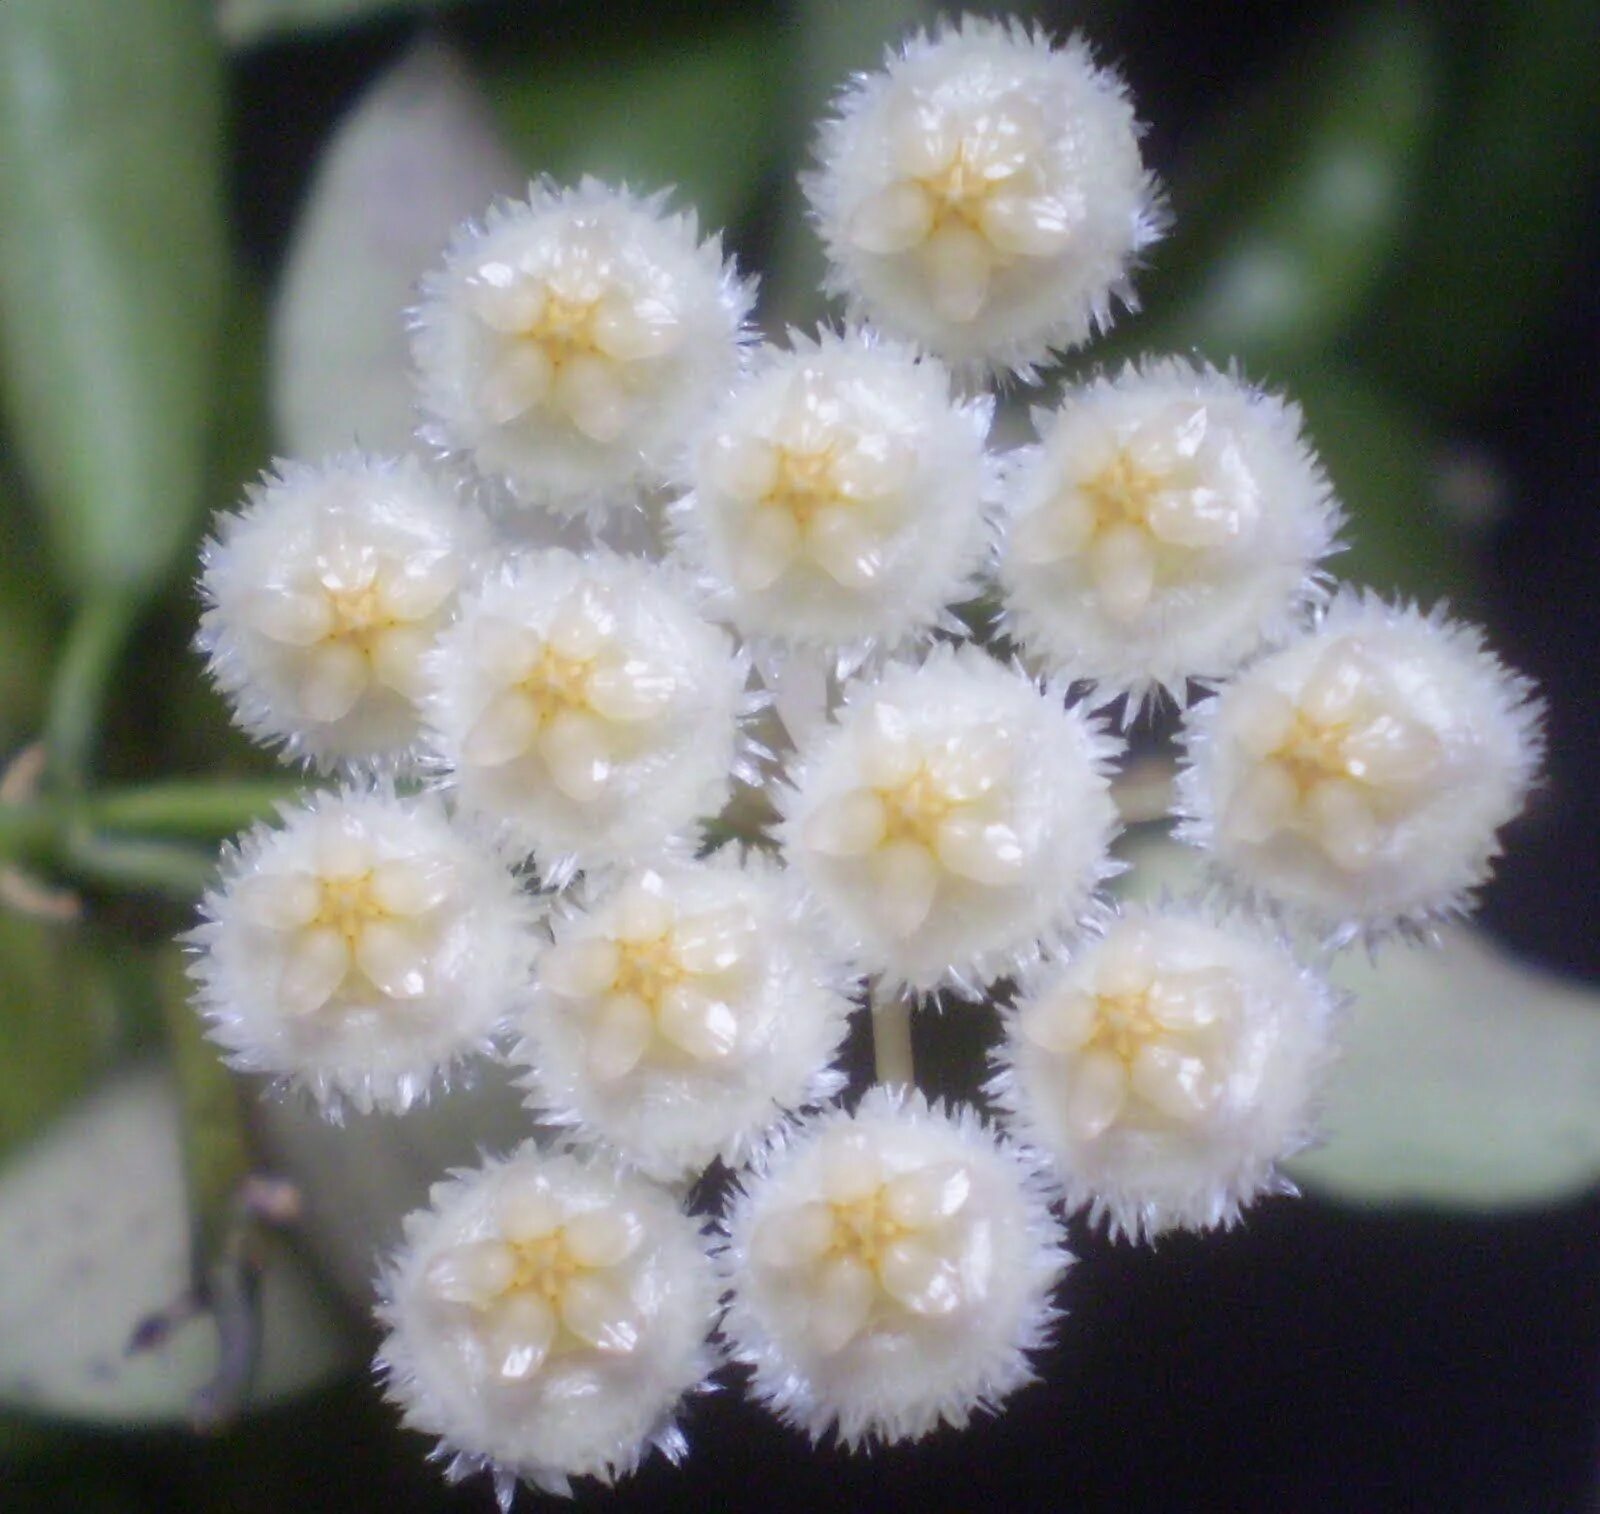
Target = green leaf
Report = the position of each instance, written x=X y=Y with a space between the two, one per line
x=649 y=106
x=112 y=268
x=1510 y=192
x=244 y=22
x=1292 y=212
x=416 y=156
x=30 y=623
x=94 y=1226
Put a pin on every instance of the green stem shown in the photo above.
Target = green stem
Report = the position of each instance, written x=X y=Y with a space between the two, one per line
x=179 y=871
x=188 y=809
x=94 y=647
x=891 y=1039
x=29 y=833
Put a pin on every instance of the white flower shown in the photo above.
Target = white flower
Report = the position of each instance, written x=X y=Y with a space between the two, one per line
x=682 y=1012
x=984 y=195
x=546 y=1314
x=584 y=707
x=841 y=494
x=1168 y=526
x=890 y=1270
x=360 y=949
x=1167 y=1067
x=322 y=595
x=1359 y=776
x=953 y=819
x=570 y=343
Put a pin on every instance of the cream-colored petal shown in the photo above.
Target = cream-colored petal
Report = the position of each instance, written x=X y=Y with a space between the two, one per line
x=618 y=1036
x=918 y=1276
x=927 y=1196
x=277 y=901
x=766 y=544
x=740 y=466
x=347 y=565
x=1096 y=1090
x=713 y=943
x=924 y=137
x=789 y=1239
x=291 y=618
x=582 y=626
x=476 y=1273
x=576 y=749
x=518 y=378
x=394 y=959
x=1050 y=533
x=698 y=1023
x=1060 y=1022
x=1198 y=517
x=878 y=468
x=525 y=1210
x=629 y=689
x=987 y=852
x=1391 y=751
x=1190 y=1001
x=956 y=265
x=505 y=731
x=503 y=650
x=1125 y=964
x=504 y=298
x=598 y=1309
x=1343 y=680
x=603 y=1237
x=333 y=678
x=580 y=969
x=397 y=655
x=1031 y=226
x=841 y=1303
x=846 y=826
x=906 y=874
x=892 y=220
x=342 y=850
x=642 y=910
x=412 y=886
x=1265 y=802
x=844 y=546
x=1258 y=719
x=1340 y=818
x=889 y=756
x=1122 y=568
x=517 y=1334
x=969 y=766
x=634 y=330
x=849 y=1170
x=590 y=392
x=313 y=968
x=419 y=586
x=1174 y=1081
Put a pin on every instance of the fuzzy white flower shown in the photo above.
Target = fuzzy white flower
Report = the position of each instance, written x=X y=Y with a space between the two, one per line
x=1360 y=775
x=984 y=195
x=322 y=596
x=890 y=1270
x=361 y=949
x=571 y=341
x=953 y=819
x=682 y=1012
x=841 y=495
x=1167 y=527
x=584 y=707
x=1168 y=1067
x=546 y=1315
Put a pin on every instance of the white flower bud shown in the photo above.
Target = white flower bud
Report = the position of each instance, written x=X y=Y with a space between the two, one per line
x=1168 y=526
x=546 y=1314
x=841 y=495
x=682 y=1012
x=322 y=596
x=1167 y=1068
x=361 y=949
x=1359 y=776
x=953 y=819
x=984 y=195
x=891 y=1270
x=570 y=343
x=584 y=707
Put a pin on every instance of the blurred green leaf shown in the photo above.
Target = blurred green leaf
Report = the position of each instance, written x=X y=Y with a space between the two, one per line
x=1287 y=217
x=648 y=105
x=29 y=625
x=243 y=22
x=1509 y=193
x=417 y=155
x=1384 y=466
x=112 y=268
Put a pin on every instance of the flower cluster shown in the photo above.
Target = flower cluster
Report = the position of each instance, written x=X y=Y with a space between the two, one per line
x=557 y=840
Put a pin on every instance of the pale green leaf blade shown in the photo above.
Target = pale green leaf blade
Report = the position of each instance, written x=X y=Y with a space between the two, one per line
x=243 y=22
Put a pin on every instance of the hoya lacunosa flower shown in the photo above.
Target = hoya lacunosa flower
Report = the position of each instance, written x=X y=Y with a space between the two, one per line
x=322 y=596
x=890 y=1270
x=984 y=195
x=1168 y=525
x=545 y=1315
x=682 y=1012
x=953 y=818
x=584 y=707
x=1360 y=775
x=1167 y=1067
x=840 y=495
x=360 y=949
x=571 y=341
